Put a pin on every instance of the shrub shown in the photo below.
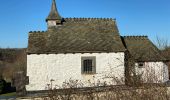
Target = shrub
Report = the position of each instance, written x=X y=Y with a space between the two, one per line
x=2 y=85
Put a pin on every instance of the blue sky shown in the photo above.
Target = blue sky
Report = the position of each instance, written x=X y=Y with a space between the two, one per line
x=134 y=17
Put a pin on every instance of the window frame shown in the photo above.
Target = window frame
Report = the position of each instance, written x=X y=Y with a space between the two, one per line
x=93 y=59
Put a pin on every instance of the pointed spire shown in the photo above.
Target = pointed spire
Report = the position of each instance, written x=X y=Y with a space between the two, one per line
x=54 y=15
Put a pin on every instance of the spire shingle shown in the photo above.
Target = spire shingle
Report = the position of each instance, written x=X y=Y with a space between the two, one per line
x=54 y=15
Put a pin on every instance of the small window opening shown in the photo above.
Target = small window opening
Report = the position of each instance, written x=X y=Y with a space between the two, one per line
x=141 y=65
x=88 y=65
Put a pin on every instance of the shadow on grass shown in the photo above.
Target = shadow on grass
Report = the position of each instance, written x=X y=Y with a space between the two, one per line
x=6 y=87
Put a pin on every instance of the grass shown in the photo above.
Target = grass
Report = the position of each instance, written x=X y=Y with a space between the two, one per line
x=9 y=94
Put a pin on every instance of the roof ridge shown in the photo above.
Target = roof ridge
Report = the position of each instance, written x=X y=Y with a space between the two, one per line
x=137 y=36
x=37 y=31
x=84 y=19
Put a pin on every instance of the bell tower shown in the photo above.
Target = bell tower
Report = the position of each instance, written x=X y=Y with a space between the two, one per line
x=54 y=18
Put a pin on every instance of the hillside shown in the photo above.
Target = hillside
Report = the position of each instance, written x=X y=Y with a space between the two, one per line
x=11 y=61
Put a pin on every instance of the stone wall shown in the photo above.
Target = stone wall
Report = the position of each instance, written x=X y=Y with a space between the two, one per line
x=61 y=67
x=148 y=91
x=153 y=72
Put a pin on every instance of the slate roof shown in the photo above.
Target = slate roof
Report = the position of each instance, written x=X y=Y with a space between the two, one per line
x=142 y=49
x=78 y=35
x=166 y=53
x=89 y=35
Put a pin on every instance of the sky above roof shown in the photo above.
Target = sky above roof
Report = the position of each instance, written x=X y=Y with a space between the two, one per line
x=134 y=17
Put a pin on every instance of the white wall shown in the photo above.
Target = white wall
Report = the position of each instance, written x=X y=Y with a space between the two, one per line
x=61 y=67
x=51 y=23
x=156 y=72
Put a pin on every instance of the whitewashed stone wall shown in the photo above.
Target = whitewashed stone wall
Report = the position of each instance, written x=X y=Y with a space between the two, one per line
x=156 y=72
x=61 y=67
x=51 y=23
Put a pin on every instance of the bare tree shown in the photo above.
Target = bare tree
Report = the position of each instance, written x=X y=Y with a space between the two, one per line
x=162 y=44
